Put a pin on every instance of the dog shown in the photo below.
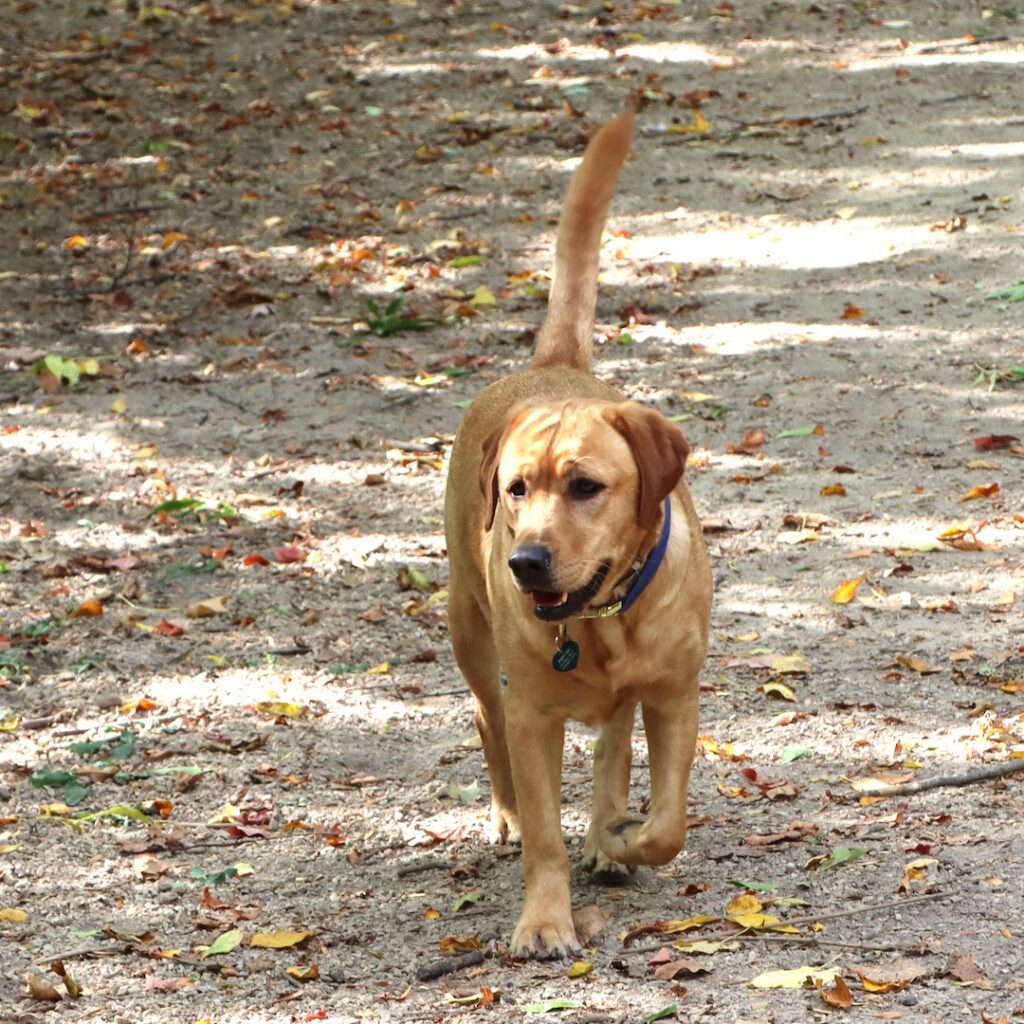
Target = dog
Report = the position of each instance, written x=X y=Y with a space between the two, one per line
x=578 y=570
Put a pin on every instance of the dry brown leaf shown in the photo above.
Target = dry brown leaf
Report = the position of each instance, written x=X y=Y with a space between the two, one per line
x=588 y=921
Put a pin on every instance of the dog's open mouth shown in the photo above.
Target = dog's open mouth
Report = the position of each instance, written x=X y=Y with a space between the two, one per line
x=553 y=607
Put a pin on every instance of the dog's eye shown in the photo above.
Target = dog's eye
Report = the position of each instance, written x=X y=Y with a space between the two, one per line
x=584 y=487
x=517 y=489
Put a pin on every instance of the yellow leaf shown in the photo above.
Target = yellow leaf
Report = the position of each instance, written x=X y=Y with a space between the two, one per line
x=790 y=664
x=580 y=969
x=243 y=868
x=227 y=814
x=118 y=406
x=282 y=709
x=776 y=689
x=382 y=669
x=9 y=723
x=483 y=296
x=671 y=927
x=310 y=972
x=697 y=946
x=844 y=593
x=90 y=367
x=700 y=125
x=795 y=978
x=14 y=916
x=279 y=939
x=205 y=609
x=981 y=491
x=745 y=903
x=753 y=920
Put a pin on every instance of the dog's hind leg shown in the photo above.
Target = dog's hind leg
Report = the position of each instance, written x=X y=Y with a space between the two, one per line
x=613 y=755
x=478 y=660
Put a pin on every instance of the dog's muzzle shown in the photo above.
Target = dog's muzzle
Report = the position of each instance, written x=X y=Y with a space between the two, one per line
x=531 y=567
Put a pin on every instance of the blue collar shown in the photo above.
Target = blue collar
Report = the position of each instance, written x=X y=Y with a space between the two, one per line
x=647 y=573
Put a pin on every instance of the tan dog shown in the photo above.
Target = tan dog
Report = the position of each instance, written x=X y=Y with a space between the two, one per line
x=564 y=499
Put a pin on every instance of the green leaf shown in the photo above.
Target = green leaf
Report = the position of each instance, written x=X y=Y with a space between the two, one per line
x=465 y=261
x=74 y=791
x=840 y=855
x=212 y=877
x=662 y=1014
x=741 y=883
x=173 y=505
x=1014 y=293
x=222 y=944
x=795 y=432
x=549 y=1006
x=792 y=753
x=466 y=899
x=114 y=812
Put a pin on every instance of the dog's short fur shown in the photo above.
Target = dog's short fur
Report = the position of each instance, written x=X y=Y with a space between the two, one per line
x=555 y=495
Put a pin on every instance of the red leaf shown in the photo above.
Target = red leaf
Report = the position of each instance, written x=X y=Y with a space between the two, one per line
x=255 y=560
x=165 y=628
x=289 y=553
x=992 y=441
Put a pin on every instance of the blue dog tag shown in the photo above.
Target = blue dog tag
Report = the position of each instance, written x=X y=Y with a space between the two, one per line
x=567 y=657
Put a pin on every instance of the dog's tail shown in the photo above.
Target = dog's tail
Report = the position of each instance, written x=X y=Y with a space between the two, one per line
x=566 y=339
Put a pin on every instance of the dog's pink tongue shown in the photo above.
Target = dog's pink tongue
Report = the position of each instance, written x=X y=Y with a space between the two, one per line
x=545 y=597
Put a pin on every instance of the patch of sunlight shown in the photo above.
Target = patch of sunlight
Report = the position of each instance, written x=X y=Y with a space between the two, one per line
x=983 y=150
x=738 y=337
x=960 y=56
x=534 y=51
x=98 y=443
x=825 y=244
x=675 y=52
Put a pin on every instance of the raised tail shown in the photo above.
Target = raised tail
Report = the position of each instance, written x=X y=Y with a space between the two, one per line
x=566 y=339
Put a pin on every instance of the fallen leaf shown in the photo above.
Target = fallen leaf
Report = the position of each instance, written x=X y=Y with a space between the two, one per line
x=207 y=608
x=588 y=921
x=917 y=665
x=990 y=442
x=962 y=968
x=222 y=944
x=13 y=916
x=687 y=966
x=891 y=977
x=838 y=995
x=797 y=977
x=845 y=592
x=87 y=609
x=981 y=491
x=41 y=989
x=280 y=939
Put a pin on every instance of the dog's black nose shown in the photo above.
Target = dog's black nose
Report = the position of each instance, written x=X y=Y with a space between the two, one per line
x=531 y=565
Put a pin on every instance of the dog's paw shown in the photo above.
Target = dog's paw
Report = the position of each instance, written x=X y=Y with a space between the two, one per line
x=545 y=940
x=602 y=869
x=638 y=841
x=503 y=827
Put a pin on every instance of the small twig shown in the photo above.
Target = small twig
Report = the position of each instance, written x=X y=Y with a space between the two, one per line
x=815 y=940
x=806 y=919
x=439 y=968
x=226 y=400
x=990 y=771
x=430 y=864
x=81 y=953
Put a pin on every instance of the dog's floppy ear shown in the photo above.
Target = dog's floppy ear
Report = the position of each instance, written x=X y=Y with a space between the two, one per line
x=491 y=450
x=660 y=452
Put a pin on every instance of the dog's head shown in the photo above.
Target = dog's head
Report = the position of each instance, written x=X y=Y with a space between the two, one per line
x=580 y=485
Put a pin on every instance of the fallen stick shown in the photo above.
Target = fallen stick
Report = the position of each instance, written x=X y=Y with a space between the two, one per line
x=905 y=901
x=990 y=771
x=437 y=969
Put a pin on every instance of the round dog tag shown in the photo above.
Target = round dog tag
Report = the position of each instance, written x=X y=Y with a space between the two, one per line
x=567 y=657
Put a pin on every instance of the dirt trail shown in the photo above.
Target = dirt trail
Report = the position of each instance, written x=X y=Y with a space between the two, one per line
x=221 y=559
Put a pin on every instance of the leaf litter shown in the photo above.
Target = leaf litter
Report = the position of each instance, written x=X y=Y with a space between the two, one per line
x=236 y=313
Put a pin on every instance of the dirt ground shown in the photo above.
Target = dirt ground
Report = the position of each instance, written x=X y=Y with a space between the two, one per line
x=238 y=773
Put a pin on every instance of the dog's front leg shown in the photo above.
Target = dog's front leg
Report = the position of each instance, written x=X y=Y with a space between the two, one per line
x=535 y=741
x=671 y=728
